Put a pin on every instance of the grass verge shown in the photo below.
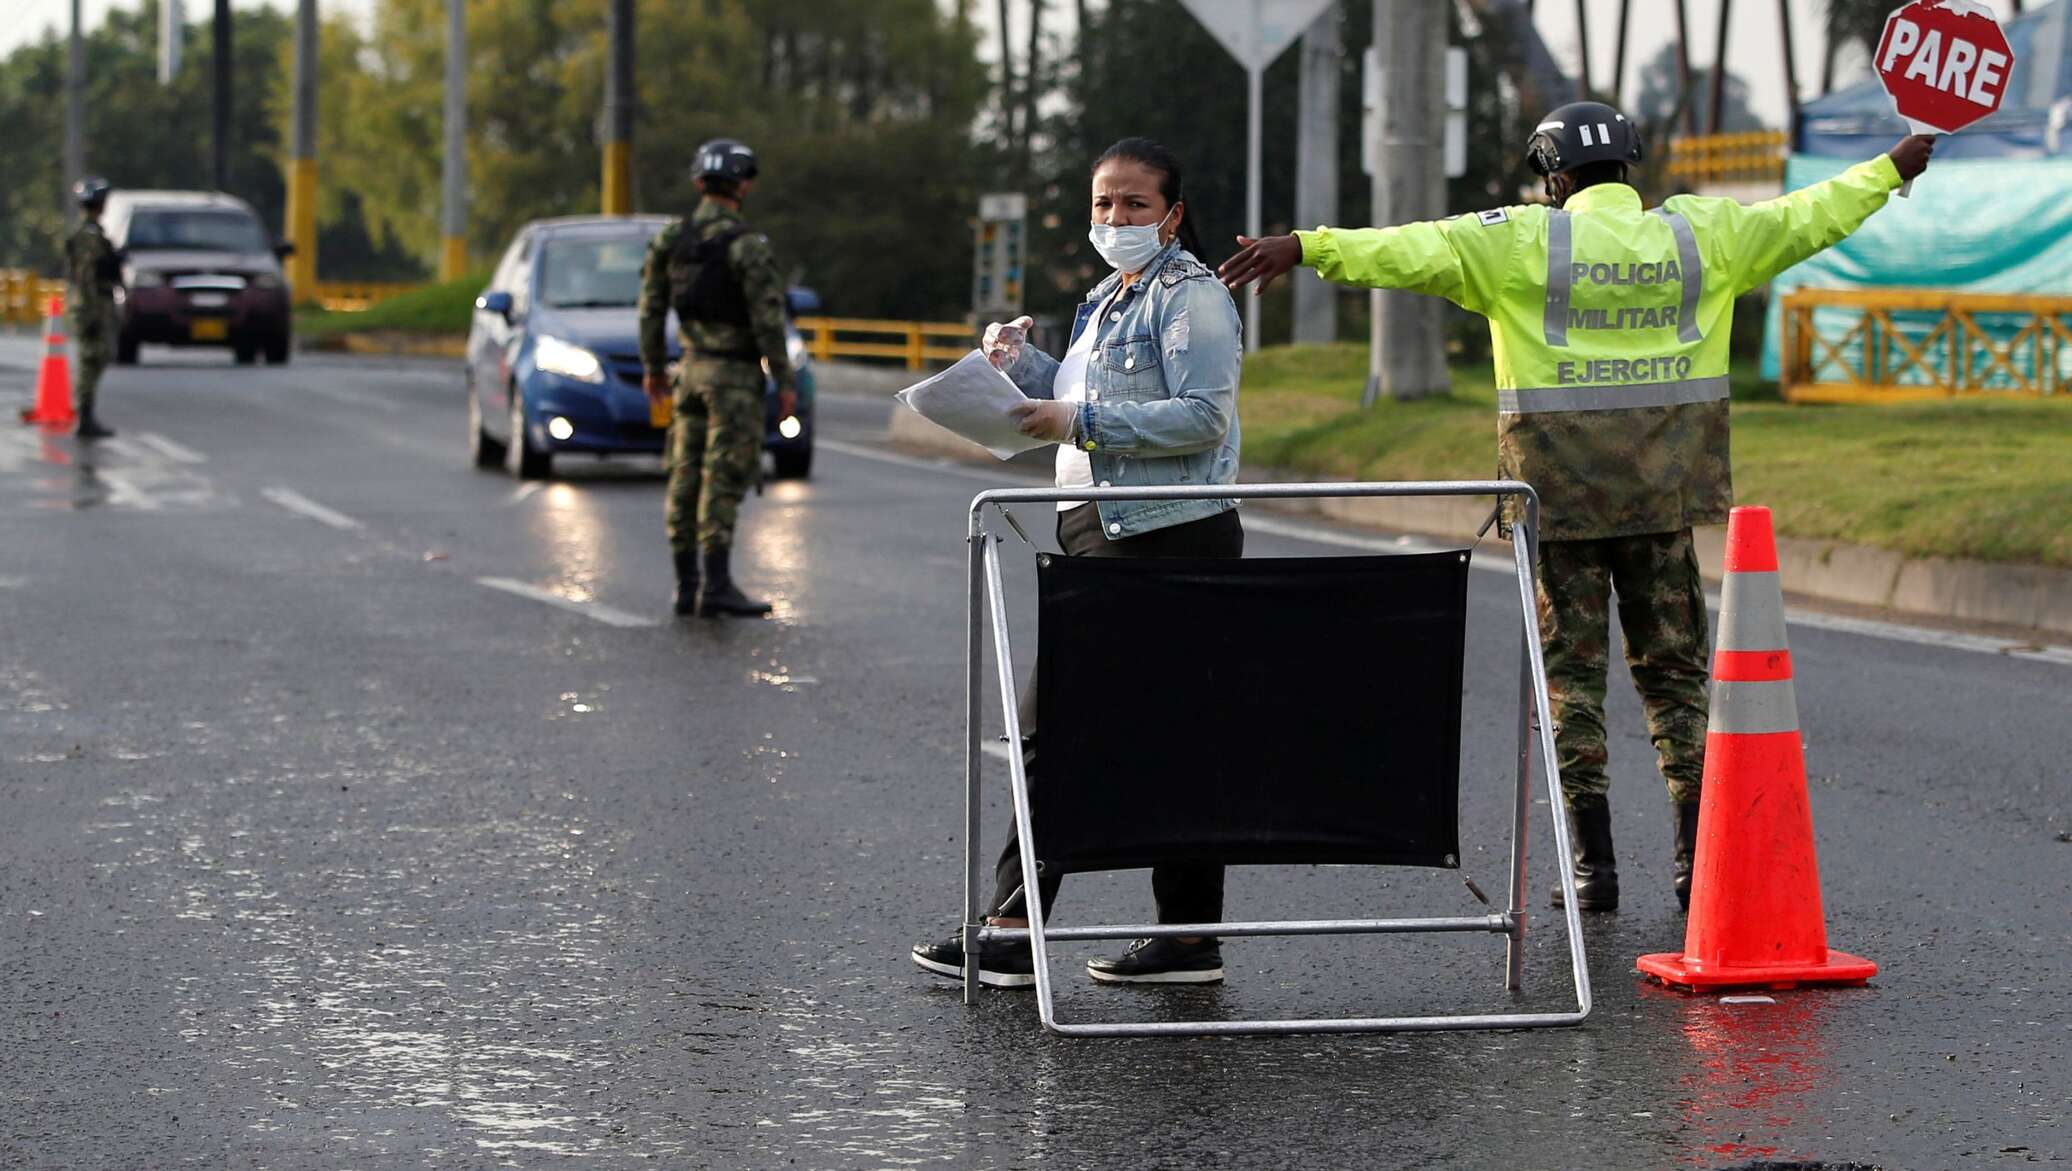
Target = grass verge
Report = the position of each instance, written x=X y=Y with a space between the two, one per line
x=444 y=308
x=1983 y=479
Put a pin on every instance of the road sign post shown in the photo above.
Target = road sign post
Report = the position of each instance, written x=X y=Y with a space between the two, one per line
x=1255 y=32
x=1945 y=64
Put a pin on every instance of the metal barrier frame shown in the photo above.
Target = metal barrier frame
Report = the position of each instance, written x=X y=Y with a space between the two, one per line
x=1535 y=731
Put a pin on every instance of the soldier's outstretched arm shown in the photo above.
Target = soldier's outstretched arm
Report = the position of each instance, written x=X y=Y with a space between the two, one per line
x=1756 y=242
x=764 y=291
x=654 y=308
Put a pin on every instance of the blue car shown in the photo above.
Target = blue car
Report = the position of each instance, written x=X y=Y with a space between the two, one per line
x=553 y=360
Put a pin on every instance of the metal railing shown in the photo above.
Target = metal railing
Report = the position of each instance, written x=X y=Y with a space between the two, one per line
x=25 y=297
x=353 y=296
x=912 y=344
x=1753 y=156
x=1891 y=345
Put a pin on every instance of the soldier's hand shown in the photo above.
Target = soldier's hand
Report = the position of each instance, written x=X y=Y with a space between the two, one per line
x=1003 y=341
x=1261 y=260
x=656 y=385
x=787 y=403
x=1045 y=419
x=1912 y=154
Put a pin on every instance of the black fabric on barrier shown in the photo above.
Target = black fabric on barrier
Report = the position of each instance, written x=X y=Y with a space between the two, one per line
x=1291 y=710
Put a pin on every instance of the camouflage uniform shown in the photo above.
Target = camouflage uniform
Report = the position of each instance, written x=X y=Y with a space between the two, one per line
x=92 y=272
x=716 y=436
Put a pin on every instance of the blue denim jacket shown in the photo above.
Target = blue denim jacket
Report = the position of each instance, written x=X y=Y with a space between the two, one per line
x=1161 y=389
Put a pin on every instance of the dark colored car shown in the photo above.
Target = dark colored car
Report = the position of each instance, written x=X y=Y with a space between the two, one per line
x=553 y=357
x=198 y=269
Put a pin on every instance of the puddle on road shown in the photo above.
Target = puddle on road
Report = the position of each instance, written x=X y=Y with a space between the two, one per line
x=41 y=471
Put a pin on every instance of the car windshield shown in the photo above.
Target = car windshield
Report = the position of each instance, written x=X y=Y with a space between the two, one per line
x=592 y=272
x=214 y=231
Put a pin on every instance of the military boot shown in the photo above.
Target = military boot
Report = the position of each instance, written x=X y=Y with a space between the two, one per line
x=1686 y=850
x=90 y=427
x=1590 y=840
x=718 y=595
x=686 y=583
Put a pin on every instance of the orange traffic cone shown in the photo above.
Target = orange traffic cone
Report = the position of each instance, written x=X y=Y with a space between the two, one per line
x=54 y=378
x=1756 y=919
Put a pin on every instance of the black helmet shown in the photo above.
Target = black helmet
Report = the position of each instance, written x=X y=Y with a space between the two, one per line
x=1580 y=133
x=91 y=191
x=724 y=158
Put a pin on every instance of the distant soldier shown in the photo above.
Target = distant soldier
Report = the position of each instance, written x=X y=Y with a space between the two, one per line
x=722 y=282
x=1611 y=326
x=92 y=272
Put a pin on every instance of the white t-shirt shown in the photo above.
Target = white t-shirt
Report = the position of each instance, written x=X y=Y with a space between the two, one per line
x=1074 y=468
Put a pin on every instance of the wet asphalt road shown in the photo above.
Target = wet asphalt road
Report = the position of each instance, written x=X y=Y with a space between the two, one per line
x=317 y=852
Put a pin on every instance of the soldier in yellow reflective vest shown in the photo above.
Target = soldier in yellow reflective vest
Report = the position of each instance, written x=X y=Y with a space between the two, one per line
x=1610 y=326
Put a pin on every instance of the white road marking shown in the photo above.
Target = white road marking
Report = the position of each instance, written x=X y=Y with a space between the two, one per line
x=524 y=492
x=178 y=453
x=593 y=610
x=296 y=502
x=351 y=398
x=995 y=749
x=1493 y=561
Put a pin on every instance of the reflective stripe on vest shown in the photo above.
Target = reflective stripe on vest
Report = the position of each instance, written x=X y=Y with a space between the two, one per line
x=1560 y=252
x=1693 y=276
x=1546 y=399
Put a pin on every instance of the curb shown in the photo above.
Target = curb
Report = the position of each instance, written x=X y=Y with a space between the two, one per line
x=386 y=344
x=2034 y=597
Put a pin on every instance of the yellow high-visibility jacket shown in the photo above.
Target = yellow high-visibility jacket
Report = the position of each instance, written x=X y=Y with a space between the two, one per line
x=1610 y=327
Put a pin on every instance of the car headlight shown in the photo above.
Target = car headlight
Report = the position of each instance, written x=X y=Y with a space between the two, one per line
x=555 y=356
x=145 y=278
x=795 y=349
x=266 y=280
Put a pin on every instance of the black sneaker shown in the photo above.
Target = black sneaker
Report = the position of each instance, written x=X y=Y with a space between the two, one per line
x=1162 y=961
x=1001 y=965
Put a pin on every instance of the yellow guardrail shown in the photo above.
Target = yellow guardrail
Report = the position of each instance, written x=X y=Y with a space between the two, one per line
x=1949 y=344
x=1751 y=156
x=911 y=344
x=25 y=297
x=353 y=296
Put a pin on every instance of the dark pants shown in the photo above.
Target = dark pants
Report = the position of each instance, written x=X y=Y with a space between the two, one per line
x=1186 y=892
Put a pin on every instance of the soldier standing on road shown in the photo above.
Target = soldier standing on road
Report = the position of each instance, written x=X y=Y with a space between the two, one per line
x=1611 y=331
x=722 y=281
x=92 y=272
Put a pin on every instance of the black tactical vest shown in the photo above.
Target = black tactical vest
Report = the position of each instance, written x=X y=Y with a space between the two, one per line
x=702 y=285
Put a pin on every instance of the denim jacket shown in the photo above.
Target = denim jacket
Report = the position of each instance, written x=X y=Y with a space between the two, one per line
x=1161 y=390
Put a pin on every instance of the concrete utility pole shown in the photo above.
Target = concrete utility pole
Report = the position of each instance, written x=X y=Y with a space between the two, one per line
x=453 y=213
x=1409 y=351
x=1683 y=70
x=1316 y=170
x=618 y=112
x=302 y=166
x=1619 y=58
x=75 y=110
x=1582 y=50
x=220 y=34
x=1714 y=116
x=170 y=28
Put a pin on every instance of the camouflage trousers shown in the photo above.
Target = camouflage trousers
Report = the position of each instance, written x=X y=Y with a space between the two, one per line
x=715 y=451
x=1662 y=616
x=92 y=344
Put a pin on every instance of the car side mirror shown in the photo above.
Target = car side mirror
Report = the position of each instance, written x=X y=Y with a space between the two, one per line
x=284 y=249
x=498 y=303
x=801 y=301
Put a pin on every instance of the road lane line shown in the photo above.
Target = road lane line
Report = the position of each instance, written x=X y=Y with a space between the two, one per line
x=351 y=398
x=524 y=492
x=296 y=502
x=1501 y=563
x=596 y=611
x=178 y=453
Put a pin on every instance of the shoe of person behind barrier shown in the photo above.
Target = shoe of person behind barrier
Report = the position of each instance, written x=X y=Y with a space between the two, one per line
x=1595 y=867
x=1163 y=960
x=1009 y=964
x=1686 y=850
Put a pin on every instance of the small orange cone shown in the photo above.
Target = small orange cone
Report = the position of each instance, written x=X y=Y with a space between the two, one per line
x=54 y=378
x=1756 y=919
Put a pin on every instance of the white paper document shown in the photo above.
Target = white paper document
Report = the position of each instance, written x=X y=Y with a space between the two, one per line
x=972 y=399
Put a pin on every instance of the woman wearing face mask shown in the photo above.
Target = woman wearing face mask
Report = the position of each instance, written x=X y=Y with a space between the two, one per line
x=1144 y=396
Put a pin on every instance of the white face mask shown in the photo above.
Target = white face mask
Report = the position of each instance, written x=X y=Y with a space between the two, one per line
x=1128 y=247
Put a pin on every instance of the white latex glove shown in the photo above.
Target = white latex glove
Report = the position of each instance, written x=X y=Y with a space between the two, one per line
x=1045 y=419
x=1003 y=341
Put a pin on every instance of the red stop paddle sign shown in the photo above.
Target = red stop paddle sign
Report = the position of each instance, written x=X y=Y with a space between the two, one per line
x=1945 y=63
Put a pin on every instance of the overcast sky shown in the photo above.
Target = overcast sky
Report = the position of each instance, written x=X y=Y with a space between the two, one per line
x=1752 y=37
